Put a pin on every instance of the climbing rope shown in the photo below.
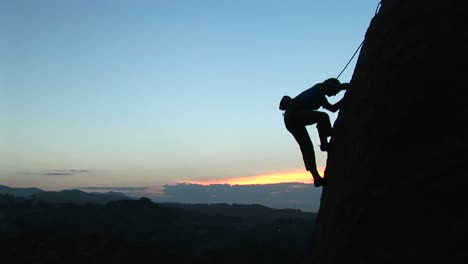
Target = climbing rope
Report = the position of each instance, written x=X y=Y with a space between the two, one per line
x=352 y=57
x=360 y=45
x=378 y=8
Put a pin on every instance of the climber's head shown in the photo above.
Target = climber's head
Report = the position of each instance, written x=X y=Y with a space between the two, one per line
x=284 y=103
x=331 y=86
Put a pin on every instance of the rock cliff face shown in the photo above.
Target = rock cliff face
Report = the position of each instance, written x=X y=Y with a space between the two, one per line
x=398 y=179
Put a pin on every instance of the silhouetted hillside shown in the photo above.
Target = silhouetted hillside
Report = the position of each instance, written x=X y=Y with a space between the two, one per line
x=20 y=192
x=397 y=181
x=79 y=197
x=65 y=196
x=140 y=231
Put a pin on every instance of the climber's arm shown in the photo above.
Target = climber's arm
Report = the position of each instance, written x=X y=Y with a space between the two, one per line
x=337 y=106
x=333 y=107
x=344 y=86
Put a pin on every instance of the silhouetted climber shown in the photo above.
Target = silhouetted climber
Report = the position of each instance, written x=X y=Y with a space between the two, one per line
x=301 y=111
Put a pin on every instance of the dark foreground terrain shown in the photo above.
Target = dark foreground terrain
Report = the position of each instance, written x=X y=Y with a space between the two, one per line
x=140 y=231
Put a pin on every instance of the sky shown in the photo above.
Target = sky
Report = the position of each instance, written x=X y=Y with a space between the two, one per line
x=145 y=93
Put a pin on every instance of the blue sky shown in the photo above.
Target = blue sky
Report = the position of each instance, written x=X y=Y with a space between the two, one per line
x=144 y=93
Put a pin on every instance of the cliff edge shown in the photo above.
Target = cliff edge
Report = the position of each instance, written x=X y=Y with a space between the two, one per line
x=397 y=187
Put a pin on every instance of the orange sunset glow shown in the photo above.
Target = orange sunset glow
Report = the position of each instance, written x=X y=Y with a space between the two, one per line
x=270 y=178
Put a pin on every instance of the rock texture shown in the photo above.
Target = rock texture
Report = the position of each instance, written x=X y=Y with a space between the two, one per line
x=398 y=180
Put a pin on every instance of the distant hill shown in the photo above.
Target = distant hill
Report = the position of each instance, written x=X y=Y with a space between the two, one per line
x=65 y=196
x=239 y=210
x=79 y=197
x=19 y=192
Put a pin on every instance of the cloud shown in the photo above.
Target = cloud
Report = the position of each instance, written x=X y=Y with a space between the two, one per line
x=300 y=196
x=60 y=172
x=129 y=191
x=269 y=178
x=56 y=173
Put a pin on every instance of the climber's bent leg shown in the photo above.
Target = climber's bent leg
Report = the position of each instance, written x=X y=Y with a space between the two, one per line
x=310 y=117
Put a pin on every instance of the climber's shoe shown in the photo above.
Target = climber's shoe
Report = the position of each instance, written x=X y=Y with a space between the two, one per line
x=319 y=182
x=328 y=147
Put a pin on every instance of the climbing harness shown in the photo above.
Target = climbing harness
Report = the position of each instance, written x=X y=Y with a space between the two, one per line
x=360 y=45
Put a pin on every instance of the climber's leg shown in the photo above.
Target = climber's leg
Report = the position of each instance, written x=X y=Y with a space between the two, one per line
x=309 y=117
x=307 y=149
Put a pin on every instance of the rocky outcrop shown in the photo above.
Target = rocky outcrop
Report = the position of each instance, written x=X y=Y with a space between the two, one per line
x=398 y=179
